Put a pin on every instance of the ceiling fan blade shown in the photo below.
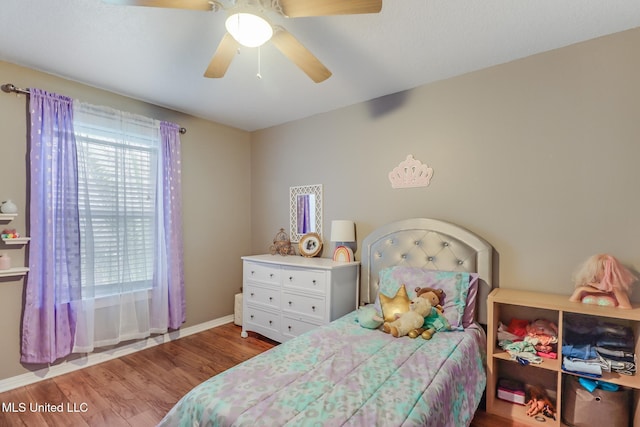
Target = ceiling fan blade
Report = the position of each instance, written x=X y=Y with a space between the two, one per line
x=176 y=4
x=300 y=55
x=301 y=8
x=222 y=58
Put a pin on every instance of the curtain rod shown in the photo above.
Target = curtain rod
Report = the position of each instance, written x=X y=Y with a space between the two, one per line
x=8 y=88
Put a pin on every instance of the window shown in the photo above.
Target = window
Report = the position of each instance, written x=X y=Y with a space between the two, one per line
x=106 y=262
x=117 y=208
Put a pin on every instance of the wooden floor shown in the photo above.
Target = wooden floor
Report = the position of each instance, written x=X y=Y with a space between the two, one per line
x=138 y=389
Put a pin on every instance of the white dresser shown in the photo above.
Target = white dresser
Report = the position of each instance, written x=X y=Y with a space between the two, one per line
x=285 y=296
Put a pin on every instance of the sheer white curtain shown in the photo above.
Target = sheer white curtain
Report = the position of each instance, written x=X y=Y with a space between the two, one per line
x=123 y=252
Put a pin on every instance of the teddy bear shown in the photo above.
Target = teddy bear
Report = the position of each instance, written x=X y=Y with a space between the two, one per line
x=434 y=321
x=419 y=308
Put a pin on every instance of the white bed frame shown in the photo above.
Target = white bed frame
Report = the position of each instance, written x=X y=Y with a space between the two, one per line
x=426 y=243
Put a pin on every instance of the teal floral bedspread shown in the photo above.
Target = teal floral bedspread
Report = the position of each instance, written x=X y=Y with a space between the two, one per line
x=345 y=375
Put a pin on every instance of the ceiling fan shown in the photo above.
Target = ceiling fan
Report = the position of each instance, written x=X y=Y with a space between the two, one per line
x=247 y=25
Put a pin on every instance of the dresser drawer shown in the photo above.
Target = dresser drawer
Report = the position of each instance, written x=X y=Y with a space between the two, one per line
x=255 y=294
x=293 y=327
x=264 y=319
x=310 y=280
x=309 y=306
x=262 y=272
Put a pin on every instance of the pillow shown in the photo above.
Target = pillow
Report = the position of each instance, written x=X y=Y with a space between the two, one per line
x=460 y=289
x=469 y=315
x=396 y=304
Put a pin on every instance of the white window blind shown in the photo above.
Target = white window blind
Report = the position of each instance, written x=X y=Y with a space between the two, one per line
x=117 y=205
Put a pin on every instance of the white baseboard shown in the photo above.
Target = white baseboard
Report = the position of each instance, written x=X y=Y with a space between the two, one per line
x=95 y=358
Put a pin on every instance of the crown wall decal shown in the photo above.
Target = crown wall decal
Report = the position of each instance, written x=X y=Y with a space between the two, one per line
x=410 y=173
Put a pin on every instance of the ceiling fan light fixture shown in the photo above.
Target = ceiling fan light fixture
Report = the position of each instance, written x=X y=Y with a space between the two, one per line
x=249 y=29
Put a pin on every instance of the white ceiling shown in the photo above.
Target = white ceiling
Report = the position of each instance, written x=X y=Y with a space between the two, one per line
x=159 y=55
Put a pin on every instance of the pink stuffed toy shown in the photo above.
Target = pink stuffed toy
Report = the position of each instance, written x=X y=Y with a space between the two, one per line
x=603 y=280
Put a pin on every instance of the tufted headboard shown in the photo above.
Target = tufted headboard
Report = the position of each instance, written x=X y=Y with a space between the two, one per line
x=426 y=243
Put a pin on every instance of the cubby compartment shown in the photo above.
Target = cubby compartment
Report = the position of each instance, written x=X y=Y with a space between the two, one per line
x=529 y=375
x=501 y=363
x=506 y=304
x=508 y=315
x=600 y=406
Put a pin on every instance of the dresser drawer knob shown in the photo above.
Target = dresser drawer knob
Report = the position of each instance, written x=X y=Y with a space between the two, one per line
x=252 y=316
x=289 y=327
x=271 y=275
x=270 y=298
x=314 y=281
x=252 y=294
x=290 y=278
x=253 y=272
x=270 y=322
x=313 y=307
x=290 y=303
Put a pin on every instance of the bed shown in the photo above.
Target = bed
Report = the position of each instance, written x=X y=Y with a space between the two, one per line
x=345 y=374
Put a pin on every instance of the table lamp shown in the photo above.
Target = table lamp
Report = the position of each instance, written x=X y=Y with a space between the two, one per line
x=343 y=231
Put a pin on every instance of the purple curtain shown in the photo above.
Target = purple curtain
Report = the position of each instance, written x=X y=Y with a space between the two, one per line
x=170 y=135
x=53 y=283
x=304 y=207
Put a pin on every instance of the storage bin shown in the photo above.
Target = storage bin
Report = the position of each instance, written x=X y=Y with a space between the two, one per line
x=511 y=391
x=582 y=408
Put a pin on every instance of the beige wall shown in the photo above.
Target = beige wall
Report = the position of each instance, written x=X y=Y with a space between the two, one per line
x=216 y=211
x=539 y=156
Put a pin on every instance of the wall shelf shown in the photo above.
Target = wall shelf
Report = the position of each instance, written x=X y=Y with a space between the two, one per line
x=16 y=240
x=15 y=271
x=7 y=217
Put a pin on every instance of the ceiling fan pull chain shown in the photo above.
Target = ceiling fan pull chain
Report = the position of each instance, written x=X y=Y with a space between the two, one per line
x=259 y=58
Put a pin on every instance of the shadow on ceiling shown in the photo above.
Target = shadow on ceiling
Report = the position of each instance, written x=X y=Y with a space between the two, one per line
x=388 y=103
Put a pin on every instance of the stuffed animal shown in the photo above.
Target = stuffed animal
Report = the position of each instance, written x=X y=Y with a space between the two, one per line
x=396 y=305
x=434 y=322
x=603 y=280
x=434 y=296
x=419 y=308
x=368 y=317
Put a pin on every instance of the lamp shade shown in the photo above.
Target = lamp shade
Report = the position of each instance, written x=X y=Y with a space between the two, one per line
x=343 y=230
x=249 y=29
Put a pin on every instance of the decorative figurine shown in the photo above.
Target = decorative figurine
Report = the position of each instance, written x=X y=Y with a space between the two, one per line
x=281 y=244
x=8 y=207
